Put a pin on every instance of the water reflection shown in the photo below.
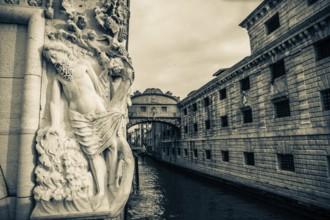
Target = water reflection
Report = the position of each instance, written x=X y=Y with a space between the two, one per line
x=167 y=194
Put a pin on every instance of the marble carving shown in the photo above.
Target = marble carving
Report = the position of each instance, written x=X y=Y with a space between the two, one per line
x=85 y=165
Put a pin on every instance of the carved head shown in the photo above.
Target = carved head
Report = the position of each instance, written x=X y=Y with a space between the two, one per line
x=57 y=53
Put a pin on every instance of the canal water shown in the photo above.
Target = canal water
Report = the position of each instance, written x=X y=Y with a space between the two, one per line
x=165 y=193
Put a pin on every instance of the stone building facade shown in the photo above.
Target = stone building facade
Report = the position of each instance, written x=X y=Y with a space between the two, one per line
x=265 y=122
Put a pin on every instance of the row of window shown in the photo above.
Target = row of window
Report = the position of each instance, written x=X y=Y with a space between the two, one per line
x=153 y=109
x=284 y=161
x=277 y=69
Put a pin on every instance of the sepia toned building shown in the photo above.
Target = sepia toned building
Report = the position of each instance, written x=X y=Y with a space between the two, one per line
x=264 y=123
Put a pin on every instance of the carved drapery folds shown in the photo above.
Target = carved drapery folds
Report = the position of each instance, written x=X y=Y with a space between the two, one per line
x=85 y=165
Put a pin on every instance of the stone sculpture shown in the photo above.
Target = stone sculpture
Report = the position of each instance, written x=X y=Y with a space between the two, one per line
x=85 y=166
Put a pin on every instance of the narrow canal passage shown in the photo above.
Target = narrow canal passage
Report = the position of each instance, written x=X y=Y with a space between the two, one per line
x=165 y=193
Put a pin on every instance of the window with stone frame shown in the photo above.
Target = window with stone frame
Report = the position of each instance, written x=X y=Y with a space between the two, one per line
x=208 y=154
x=207 y=124
x=173 y=151
x=185 y=151
x=286 y=162
x=223 y=93
x=245 y=84
x=185 y=129
x=194 y=107
x=277 y=69
x=272 y=24
x=185 y=111
x=249 y=158
x=195 y=153
x=206 y=101
x=282 y=107
x=247 y=115
x=143 y=109
x=322 y=48
x=164 y=109
x=195 y=127
x=168 y=151
x=328 y=165
x=224 y=121
x=179 y=151
x=325 y=96
x=225 y=156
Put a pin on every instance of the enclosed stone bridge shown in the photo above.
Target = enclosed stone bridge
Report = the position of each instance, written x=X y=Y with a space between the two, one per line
x=154 y=106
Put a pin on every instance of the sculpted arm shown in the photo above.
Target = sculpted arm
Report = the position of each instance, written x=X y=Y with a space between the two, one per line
x=55 y=113
x=97 y=83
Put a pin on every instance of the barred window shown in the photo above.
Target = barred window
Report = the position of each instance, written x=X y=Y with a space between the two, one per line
x=185 y=152
x=186 y=129
x=163 y=149
x=168 y=151
x=325 y=94
x=206 y=101
x=249 y=158
x=173 y=151
x=164 y=109
x=286 y=162
x=143 y=109
x=195 y=127
x=185 y=112
x=194 y=107
x=179 y=151
x=223 y=93
x=207 y=124
x=328 y=164
x=208 y=154
x=272 y=24
x=195 y=153
x=247 y=115
x=282 y=108
x=224 y=121
x=245 y=84
x=225 y=156
x=322 y=48
x=277 y=69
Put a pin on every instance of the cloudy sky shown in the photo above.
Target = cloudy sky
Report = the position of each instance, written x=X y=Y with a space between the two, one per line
x=176 y=45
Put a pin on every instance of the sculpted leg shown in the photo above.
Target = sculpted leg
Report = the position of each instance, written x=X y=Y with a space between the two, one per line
x=111 y=156
x=99 y=171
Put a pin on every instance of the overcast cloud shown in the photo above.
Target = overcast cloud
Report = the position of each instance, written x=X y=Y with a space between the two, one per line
x=176 y=45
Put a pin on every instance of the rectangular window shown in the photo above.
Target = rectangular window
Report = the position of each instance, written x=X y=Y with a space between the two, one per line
x=194 y=107
x=322 y=48
x=249 y=158
x=310 y=2
x=143 y=109
x=173 y=151
x=325 y=96
x=186 y=129
x=164 y=109
x=277 y=69
x=247 y=115
x=207 y=124
x=285 y=162
x=224 y=121
x=195 y=153
x=328 y=164
x=272 y=24
x=223 y=93
x=208 y=154
x=185 y=112
x=206 y=101
x=179 y=151
x=168 y=151
x=225 y=156
x=163 y=149
x=282 y=108
x=185 y=152
x=245 y=84
x=195 y=127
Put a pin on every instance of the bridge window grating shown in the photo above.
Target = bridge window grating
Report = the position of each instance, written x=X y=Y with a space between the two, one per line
x=223 y=93
x=195 y=153
x=245 y=84
x=286 y=162
x=164 y=109
x=277 y=69
x=143 y=109
x=249 y=158
x=325 y=94
x=224 y=121
x=225 y=156
x=208 y=154
x=272 y=24
x=282 y=108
